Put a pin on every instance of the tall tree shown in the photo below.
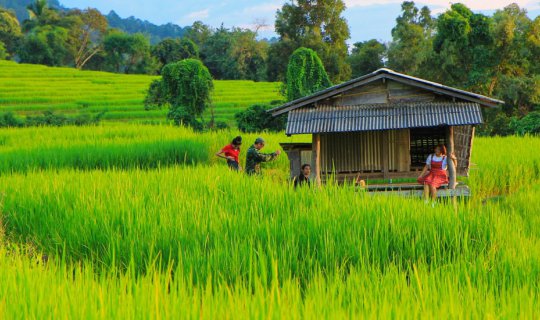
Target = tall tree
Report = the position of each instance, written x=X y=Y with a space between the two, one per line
x=46 y=45
x=515 y=78
x=305 y=74
x=87 y=34
x=235 y=54
x=367 y=57
x=199 y=33
x=174 y=50
x=317 y=25
x=128 y=54
x=10 y=31
x=185 y=87
x=411 y=39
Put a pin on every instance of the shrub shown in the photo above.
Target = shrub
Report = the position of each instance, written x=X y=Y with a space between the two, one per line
x=8 y=119
x=256 y=119
x=530 y=124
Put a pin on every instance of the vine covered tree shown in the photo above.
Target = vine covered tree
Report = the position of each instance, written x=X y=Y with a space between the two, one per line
x=186 y=87
x=305 y=74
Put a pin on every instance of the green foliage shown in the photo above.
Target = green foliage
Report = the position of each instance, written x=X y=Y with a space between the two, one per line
x=530 y=124
x=235 y=54
x=49 y=118
x=257 y=119
x=129 y=54
x=367 y=57
x=186 y=87
x=10 y=31
x=412 y=37
x=46 y=45
x=3 y=53
x=305 y=74
x=174 y=50
x=317 y=25
x=8 y=119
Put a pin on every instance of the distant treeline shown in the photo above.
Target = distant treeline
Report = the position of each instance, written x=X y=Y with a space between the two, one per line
x=494 y=55
x=131 y=25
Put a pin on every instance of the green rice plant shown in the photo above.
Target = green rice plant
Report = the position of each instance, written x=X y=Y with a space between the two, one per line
x=29 y=89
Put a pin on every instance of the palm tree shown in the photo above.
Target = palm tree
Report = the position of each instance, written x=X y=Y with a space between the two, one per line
x=36 y=9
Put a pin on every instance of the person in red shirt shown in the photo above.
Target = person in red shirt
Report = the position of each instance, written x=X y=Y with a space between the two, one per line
x=230 y=152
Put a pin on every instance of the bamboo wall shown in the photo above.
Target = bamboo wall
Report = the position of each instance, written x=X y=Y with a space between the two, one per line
x=370 y=151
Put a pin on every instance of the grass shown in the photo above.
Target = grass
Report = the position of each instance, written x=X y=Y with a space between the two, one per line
x=135 y=230
x=30 y=89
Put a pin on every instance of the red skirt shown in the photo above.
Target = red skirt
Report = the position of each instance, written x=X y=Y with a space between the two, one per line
x=435 y=178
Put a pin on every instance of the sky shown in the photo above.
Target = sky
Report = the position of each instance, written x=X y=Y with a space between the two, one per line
x=368 y=19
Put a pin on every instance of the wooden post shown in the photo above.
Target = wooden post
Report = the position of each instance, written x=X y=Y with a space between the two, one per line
x=385 y=154
x=317 y=157
x=450 y=150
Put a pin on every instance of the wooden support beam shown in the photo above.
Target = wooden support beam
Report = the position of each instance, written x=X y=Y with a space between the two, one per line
x=450 y=150
x=385 y=154
x=317 y=157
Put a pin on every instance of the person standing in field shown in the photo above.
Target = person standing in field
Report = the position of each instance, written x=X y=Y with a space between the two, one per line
x=303 y=178
x=255 y=157
x=231 y=152
x=434 y=173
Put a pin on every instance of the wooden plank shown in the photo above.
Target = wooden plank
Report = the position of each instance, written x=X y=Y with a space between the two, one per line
x=403 y=150
x=294 y=162
x=460 y=191
x=327 y=94
x=317 y=157
x=441 y=90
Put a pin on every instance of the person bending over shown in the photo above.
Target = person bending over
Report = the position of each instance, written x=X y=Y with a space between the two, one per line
x=255 y=157
x=230 y=152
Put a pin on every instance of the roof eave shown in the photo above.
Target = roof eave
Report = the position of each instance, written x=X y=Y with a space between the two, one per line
x=387 y=74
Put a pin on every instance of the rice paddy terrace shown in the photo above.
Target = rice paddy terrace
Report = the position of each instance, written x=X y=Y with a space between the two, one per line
x=32 y=89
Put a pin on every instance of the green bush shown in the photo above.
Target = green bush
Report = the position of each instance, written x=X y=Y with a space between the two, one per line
x=50 y=118
x=530 y=124
x=3 y=53
x=8 y=119
x=257 y=119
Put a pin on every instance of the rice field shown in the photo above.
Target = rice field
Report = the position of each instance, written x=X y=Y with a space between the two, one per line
x=31 y=89
x=142 y=221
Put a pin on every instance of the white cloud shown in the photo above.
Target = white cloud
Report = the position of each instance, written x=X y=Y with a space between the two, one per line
x=472 y=4
x=198 y=15
x=264 y=8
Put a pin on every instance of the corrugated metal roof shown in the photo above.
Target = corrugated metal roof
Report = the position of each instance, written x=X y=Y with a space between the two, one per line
x=382 y=117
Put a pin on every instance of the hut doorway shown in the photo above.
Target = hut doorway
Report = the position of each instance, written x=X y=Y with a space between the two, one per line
x=423 y=141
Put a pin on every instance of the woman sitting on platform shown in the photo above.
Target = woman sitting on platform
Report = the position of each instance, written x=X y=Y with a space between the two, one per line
x=434 y=174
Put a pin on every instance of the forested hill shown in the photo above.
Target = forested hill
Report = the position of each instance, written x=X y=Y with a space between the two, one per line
x=19 y=6
x=134 y=25
x=129 y=25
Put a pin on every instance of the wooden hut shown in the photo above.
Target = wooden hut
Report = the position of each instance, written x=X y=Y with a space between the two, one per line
x=382 y=126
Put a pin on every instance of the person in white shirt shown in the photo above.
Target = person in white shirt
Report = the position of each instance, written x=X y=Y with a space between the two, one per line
x=434 y=173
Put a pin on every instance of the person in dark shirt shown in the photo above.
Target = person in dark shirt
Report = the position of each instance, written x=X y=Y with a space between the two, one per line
x=255 y=157
x=230 y=152
x=303 y=178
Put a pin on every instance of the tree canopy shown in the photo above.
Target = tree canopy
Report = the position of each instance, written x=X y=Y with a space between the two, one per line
x=186 y=87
